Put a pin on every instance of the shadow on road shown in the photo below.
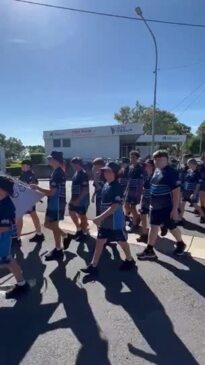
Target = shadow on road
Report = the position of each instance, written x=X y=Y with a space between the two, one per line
x=146 y=311
x=194 y=277
x=80 y=319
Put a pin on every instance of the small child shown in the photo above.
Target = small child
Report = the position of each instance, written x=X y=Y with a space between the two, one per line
x=98 y=183
x=111 y=221
x=7 y=220
x=190 y=190
x=145 y=201
x=27 y=176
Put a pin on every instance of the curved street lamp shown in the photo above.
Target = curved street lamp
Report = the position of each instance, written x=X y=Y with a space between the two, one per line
x=138 y=10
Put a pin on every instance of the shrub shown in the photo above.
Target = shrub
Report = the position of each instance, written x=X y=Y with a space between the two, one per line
x=37 y=158
x=13 y=171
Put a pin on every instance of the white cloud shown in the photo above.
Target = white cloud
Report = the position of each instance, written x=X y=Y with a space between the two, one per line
x=17 y=40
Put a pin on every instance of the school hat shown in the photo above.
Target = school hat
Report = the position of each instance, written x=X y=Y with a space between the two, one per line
x=26 y=162
x=7 y=184
x=56 y=155
x=77 y=161
x=149 y=162
x=112 y=166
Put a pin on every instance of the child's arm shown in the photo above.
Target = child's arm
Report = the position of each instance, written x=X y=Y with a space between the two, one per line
x=105 y=214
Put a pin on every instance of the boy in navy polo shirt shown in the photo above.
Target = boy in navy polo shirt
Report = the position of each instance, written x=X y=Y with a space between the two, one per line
x=7 y=220
x=191 y=186
x=98 y=184
x=134 y=187
x=202 y=185
x=111 y=221
x=56 y=204
x=165 y=196
x=27 y=176
x=145 y=201
x=80 y=199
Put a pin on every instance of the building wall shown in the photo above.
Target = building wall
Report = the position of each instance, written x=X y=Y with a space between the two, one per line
x=89 y=147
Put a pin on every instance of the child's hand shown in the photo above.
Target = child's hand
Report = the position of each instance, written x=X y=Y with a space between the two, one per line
x=34 y=187
x=97 y=221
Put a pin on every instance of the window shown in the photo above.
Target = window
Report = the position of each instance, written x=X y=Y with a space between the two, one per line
x=56 y=143
x=66 y=142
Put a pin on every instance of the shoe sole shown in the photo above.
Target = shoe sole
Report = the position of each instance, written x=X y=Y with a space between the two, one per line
x=147 y=258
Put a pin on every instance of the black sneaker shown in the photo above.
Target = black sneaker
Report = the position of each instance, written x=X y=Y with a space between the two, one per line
x=90 y=269
x=143 y=238
x=147 y=254
x=127 y=265
x=164 y=231
x=180 y=248
x=67 y=240
x=54 y=255
x=39 y=238
x=16 y=241
x=202 y=220
x=17 y=291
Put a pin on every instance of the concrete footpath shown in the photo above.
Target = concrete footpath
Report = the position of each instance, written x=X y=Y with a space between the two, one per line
x=195 y=245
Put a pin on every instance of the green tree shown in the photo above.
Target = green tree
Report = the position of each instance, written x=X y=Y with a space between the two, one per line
x=36 y=149
x=201 y=129
x=13 y=147
x=166 y=122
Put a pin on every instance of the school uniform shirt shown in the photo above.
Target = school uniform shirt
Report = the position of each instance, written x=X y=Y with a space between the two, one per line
x=162 y=184
x=80 y=182
x=113 y=194
x=28 y=177
x=202 y=173
x=98 y=185
x=7 y=220
x=123 y=179
x=58 y=200
x=135 y=181
x=182 y=173
x=191 y=180
x=146 y=193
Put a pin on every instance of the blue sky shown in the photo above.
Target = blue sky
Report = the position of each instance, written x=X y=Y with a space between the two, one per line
x=63 y=70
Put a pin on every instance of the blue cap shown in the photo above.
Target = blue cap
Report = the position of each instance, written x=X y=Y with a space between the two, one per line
x=56 y=155
x=113 y=166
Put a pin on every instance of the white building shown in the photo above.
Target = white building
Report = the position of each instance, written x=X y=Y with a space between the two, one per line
x=108 y=141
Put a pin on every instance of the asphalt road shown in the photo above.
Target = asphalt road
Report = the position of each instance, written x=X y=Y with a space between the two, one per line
x=192 y=225
x=151 y=316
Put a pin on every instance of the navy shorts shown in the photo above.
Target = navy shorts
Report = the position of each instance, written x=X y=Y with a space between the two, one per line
x=5 y=247
x=112 y=235
x=98 y=206
x=145 y=206
x=129 y=199
x=186 y=197
x=55 y=216
x=80 y=210
x=161 y=217
x=32 y=210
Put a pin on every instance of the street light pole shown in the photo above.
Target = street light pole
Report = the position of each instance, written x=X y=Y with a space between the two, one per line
x=139 y=13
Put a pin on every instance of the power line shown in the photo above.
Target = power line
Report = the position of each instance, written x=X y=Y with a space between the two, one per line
x=110 y=14
x=192 y=102
x=188 y=96
x=182 y=66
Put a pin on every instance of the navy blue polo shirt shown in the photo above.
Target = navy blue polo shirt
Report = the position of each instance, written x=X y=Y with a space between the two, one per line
x=100 y=182
x=135 y=178
x=147 y=186
x=191 y=180
x=113 y=194
x=7 y=220
x=202 y=173
x=162 y=183
x=28 y=177
x=80 y=182
x=123 y=179
x=58 y=182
